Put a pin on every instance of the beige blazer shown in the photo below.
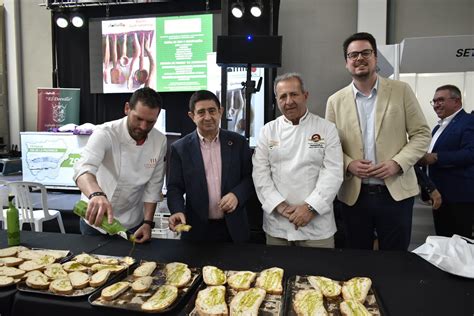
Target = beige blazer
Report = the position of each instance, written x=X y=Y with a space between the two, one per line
x=401 y=134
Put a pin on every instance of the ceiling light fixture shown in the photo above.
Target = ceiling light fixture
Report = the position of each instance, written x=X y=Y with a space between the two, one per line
x=256 y=9
x=237 y=9
x=62 y=20
x=77 y=20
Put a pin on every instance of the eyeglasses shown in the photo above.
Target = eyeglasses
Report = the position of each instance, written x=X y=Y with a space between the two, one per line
x=440 y=100
x=366 y=53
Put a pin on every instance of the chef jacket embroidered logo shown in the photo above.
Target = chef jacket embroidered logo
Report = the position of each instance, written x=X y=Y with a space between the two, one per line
x=152 y=163
x=315 y=141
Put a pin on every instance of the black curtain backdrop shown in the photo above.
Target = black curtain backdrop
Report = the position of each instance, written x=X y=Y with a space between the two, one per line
x=71 y=65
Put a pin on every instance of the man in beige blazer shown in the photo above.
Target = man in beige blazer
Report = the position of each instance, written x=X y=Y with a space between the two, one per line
x=383 y=134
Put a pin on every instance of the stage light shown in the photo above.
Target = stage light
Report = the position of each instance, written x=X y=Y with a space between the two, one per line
x=62 y=20
x=249 y=37
x=256 y=9
x=237 y=9
x=77 y=20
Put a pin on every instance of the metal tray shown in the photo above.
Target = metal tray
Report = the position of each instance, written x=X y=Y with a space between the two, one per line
x=271 y=305
x=373 y=302
x=21 y=286
x=132 y=301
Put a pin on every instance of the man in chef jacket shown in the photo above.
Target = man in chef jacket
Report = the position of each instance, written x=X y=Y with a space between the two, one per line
x=121 y=170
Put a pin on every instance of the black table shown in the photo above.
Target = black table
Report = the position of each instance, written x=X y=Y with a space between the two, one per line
x=406 y=284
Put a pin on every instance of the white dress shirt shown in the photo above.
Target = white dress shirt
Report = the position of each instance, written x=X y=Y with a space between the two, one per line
x=129 y=174
x=443 y=123
x=290 y=164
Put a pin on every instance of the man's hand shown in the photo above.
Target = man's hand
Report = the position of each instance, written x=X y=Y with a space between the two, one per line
x=384 y=169
x=98 y=207
x=436 y=199
x=176 y=219
x=428 y=159
x=301 y=216
x=359 y=167
x=143 y=234
x=228 y=203
x=284 y=209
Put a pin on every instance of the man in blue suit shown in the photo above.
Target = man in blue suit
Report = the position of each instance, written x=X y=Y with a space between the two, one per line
x=213 y=167
x=450 y=161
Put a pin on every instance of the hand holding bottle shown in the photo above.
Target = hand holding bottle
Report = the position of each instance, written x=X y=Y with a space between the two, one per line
x=98 y=208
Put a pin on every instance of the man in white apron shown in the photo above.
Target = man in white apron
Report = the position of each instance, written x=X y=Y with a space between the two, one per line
x=121 y=170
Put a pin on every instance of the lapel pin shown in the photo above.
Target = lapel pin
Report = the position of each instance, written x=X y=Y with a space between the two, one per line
x=230 y=143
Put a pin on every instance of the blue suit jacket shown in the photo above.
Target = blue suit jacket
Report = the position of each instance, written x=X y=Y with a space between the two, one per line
x=453 y=173
x=187 y=175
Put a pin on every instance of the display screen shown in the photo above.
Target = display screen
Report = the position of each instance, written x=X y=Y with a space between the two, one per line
x=165 y=53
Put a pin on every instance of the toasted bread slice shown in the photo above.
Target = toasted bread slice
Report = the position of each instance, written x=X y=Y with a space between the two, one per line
x=31 y=265
x=353 y=308
x=177 y=274
x=112 y=267
x=61 y=286
x=108 y=260
x=127 y=261
x=182 y=228
x=55 y=271
x=99 y=278
x=211 y=301
x=247 y=302
x=162 y=299
x=12 y=272
x=113 y=291
x=37 y=281
x=328 y=287
x=30 y=254
x=6 y=281
x=356 y=289
x=72 y=266
x=241 y=280
x=271 y=280
x=79 y=280
x=145 y=269
x=309 y=303
x=213 y=275
x=11 y=261
x=44 y=260
x=8 y=252
x=32 y=273
x=142 y=284
x=86 y=259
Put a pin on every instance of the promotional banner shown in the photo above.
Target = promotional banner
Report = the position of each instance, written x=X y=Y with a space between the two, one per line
x=57 y=107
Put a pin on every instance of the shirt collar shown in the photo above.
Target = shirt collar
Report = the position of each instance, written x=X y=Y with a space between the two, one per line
x=204 y=140
x=372 y=92
x=302 y=119
x=448 y=119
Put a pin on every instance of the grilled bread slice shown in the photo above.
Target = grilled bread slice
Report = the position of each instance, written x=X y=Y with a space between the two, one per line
x=309 y=303
x=6 y=281
x=356 y=289
x=177 y=274
x=145 y=269
x=113 y=291
x=271 y=280
x=86 y=259
x=213 y=275
x=45 y=260
x=162 y=299
x=328 y=287
x=241 y=280
x=112 y=267
x=142 y=284
x=37 y=281
x=182 y=228
x=55 y=271
x=12 y=272
x=72 y=266
x=353 y=308
x=61 y=286
x=8 y=252
x=11 y=261
x=108 y=260
x=211 y=301
x=79 y=280
x=99 y=278
x=31 y=265
x=247 y=302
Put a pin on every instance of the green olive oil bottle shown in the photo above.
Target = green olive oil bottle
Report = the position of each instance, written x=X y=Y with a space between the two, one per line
x=13 y=223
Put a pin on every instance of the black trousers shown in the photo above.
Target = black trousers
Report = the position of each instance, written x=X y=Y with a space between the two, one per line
x=454 y=218
x=375 y=211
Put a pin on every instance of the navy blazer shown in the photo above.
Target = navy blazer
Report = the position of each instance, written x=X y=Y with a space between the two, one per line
x=453 y=173
x=187 y=176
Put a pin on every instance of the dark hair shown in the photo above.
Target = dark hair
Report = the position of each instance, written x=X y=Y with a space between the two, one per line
x=362 y=36
x=455 y=92
x=202 y=95
x=148 y=97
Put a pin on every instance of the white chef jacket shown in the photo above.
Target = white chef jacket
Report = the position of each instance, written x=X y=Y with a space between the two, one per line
x=289 y=164
x=127 y=173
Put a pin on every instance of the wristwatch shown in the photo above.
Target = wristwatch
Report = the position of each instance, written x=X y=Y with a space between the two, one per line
x=151 y=223
x=311 y=209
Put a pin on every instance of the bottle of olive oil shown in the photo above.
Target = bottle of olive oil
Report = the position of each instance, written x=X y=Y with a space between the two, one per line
x=116 y=228
x=13 y=223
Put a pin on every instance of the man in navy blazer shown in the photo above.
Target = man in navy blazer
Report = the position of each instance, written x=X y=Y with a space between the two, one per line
x=450 y=161
x=213 y=167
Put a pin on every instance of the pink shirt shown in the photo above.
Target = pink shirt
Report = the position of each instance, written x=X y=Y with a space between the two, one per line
x=211 y=155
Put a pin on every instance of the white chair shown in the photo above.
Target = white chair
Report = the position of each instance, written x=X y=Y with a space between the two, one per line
x=22 y=191
x=3 y=203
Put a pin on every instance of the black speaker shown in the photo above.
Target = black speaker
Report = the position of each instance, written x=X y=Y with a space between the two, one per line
x=260 y=51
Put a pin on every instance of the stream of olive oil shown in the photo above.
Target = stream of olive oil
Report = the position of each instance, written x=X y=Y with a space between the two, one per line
x=132 y=239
